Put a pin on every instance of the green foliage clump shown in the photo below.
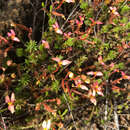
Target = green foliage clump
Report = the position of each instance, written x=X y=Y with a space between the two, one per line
x=77 y=63
x=125 y=9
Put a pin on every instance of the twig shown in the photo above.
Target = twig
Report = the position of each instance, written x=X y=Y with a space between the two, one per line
x=69 y=25
x=125 y=126
x=124 y=3
x=43 y=23
x=34 y=19
x=116 y=116
x=91 y=115
x=111 y=110
x=5 y=128
x=69 y=16
x=44 y=18
x=70 y=110
x=96 y=20
x=108 y=126
x=27 y=127
x=106 y=108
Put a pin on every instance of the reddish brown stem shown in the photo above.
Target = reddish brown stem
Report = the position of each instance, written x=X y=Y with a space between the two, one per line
x=77 y=92
x=59 y=5
x=66 y=83
x=56 y=70
x=62 y=84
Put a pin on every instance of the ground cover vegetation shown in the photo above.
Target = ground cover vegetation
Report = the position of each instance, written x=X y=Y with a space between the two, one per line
x=68 y=69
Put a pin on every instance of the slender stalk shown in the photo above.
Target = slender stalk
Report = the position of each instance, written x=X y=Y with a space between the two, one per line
x=91 y=115
x=34 y=19
x=43 y=27
x=116 y=115
x=106 y=108
x=70 y=110
x=70 y=16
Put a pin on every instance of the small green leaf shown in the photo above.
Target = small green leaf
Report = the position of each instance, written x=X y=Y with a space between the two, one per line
x=124 y=20
x=106 y=28
x=120 y=66
x=84 y=5
x=41 y=47
x=50 y=68
x=43 y=5
x=69 y=42
x=99 y=81
x=120 y=106
x=111 y=55
x=125 y=9
x=19 y=52
x=51 y=21
x=51 y=8
x=64 y=113
x=31 y=46
x=59 y=112
x=55 y=85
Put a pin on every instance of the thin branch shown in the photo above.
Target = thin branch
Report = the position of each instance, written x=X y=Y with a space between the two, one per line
x=34 y=19
x=106 y=108
x=43 y=23
x=69 y=16
x=70 y=110
x=124 y=3
x=3 y=122
x=43 y=27
x=96 y=19
x=116 y=115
